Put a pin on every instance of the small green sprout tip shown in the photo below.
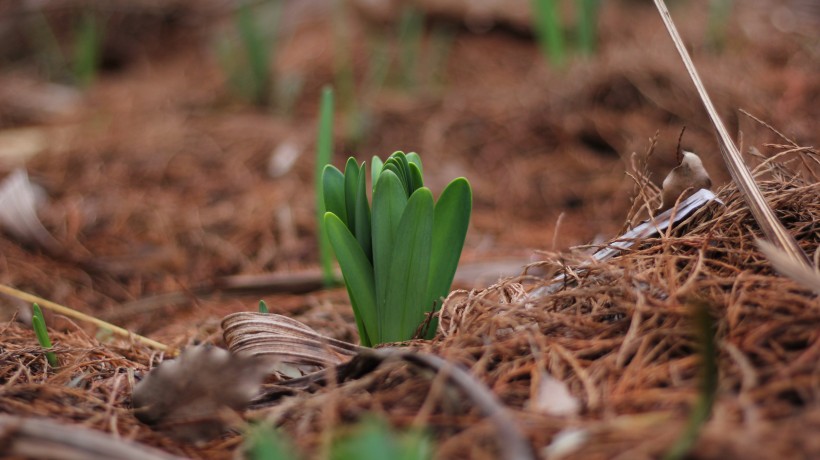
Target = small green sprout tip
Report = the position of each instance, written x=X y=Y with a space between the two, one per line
x=263 y=307
x=39 y=325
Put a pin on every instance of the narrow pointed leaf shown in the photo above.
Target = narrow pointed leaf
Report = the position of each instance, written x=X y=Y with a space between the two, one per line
x=376 y=169
x=389 y=201
x=407 y=284
x=362 y=223
x=351 y=188
x=333 y=187
x=416 y=181
x=452 y=217
x=358 y=275
x=414 y=158
x=404 y=165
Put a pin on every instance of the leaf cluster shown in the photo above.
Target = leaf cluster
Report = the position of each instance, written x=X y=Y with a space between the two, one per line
x=399 y=258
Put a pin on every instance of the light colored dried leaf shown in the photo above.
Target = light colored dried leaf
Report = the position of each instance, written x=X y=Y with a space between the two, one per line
x=286 y=343
x=19 y=199
x=283 y=158
x=552 y=397
x=195 y=397
x=684 y=180
x=566 y=442
x=786 y=266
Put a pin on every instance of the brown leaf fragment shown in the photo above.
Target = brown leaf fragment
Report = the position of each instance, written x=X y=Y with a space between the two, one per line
x=196 y=396
x=292 y=348
x=684 y=180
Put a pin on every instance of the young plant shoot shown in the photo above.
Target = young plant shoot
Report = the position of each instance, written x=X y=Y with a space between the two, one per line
x=399 y=258
x=38 y=322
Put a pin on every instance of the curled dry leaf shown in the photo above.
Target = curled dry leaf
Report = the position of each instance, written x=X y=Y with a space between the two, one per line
x=19 y=199
x=195 y=397
x=552 y=397
x=291 y=348
x=684 y=180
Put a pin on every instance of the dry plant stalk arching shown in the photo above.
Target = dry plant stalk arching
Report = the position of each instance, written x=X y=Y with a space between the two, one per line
x=764 y=215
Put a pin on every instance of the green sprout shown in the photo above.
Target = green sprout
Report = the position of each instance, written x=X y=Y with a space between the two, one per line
x=549 y=31
x=87 y=46
x=263 y=307
x=39 y=325
x=587 y=25
x=399 y=261
x=324 y=153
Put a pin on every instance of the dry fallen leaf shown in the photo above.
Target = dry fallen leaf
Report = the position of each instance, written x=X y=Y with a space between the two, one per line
x=788 y=267
x=684 y=180
x=19 y=199
x=292 y=349
x=195 y=397
x=552 y=397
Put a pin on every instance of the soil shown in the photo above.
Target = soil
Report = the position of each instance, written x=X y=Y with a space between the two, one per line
x=158 y=178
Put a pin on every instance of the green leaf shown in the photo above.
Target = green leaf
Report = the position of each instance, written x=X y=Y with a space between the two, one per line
x=416 y=181
x=395 y=168
x=452 y=217
x=404 y=167
x=409 y=268
x=414 y=158
x=362 y=223
x=333 y=187
x=358 y=275
x=263 y=307
x=38 y=323
x=351 y=189
x=389 y=201
x=376 y=169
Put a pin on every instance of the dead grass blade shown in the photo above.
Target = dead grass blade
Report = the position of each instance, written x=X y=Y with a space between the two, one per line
x=39 y=438
x=741 y=175
x=781 y=262
x=71 y=313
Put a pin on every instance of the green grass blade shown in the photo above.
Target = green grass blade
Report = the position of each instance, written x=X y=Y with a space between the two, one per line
x=38 y=323
x=409 y=268
x=87 y=49
x=548 y=30
x=588 y=25
x=358 y=275
x=376 y=166
x=351 y=189
x=324 y=153
x=333 y=187
x=452 y=217
x=389 y=201
x=257 y=53
x=362 y=224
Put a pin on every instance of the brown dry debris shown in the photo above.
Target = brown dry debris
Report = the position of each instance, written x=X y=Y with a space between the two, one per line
x=617 y=333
